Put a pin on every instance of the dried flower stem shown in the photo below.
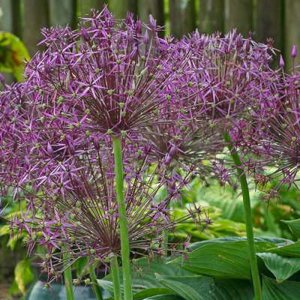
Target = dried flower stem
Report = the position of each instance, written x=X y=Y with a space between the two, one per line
x=115 y=277
x=68 y=278
x=96 y=287
x=125 y=250
x=248 y=218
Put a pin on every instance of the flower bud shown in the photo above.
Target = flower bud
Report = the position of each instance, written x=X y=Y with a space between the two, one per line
x=294 y=51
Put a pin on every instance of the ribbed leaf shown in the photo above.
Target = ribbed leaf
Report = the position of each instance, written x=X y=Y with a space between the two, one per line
x=206 y=288
x=189 y=287
x=227 y=289
x=294 y=226
x=290 y=250
x=272 y=290
x=223 y=258
x=165 y=297
x=281 y=267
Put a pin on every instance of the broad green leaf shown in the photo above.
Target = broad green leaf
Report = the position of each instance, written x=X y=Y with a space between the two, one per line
x=151 y=292
x=294 y=226
x=287 y=290
x=222 y=258
x=58 y=292
x=144 y=270
x=227 y=289
x=261 y=242
x=13 y=55
x=4 y=230
x=207 y=288
x=281 y=267
x=23 y=275
x=140 y=292
x=81 y=266
x=289 y=250
x=189 y=287
x=165 y=297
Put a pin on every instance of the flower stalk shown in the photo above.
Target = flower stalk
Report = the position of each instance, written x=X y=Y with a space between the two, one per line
x=125 y=250
x=68 y=278
x=248 y=218
x=115 y=277
x=95 y=285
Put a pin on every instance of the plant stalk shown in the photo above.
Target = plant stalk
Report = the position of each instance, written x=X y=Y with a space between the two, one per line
x=68 y=278
x=125 y=250
x=115 y=277
x=248 y=217
x=96 y=287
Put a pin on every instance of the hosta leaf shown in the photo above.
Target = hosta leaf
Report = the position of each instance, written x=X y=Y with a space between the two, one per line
x=144 y=270
x=4 y=230
x=290 y=250
x=140 y=292
x=165 y=297
x=222 y=258
x=13 y=55
x=233 y=289
x=287 y=290
x=281 y=267
x=81 y=266
x=145 y=294
x=189 y=287
x=206 y=288
x=294 y=226
x=23 y=275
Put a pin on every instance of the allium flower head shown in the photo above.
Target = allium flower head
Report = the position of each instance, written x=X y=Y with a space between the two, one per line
x=234 y=73
x=83 y=218
x=110 y=74
x=281 y=143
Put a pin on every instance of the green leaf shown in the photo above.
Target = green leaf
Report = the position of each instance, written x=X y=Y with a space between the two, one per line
x=227 y=289
x=151 y=292
x=290 y=250
x=13 y=54
x=272 y=290
x=165 y=297
x=4 y=230
x=294 y=226
x=223 y=258
x=281 y=267
x=81 y=266
x=189 y=287
x=144 y=270
x=23 y=275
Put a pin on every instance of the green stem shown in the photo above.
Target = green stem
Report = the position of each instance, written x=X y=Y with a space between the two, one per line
x=165 y=242
x=248 y=217
x=125 y=250
x=116 y=277
x=96 y=287
x=68 y=278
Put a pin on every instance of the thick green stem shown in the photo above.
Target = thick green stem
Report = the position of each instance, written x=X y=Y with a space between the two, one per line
x=115 y=277
x=125 y=250
x=248 y=218
x=96 y=287
x=68 y=278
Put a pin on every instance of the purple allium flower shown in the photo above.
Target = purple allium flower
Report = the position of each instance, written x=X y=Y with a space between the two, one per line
x=233 y=72
x=107 y=78
x=82 y=218
x=281 y=141
x=110 y=74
